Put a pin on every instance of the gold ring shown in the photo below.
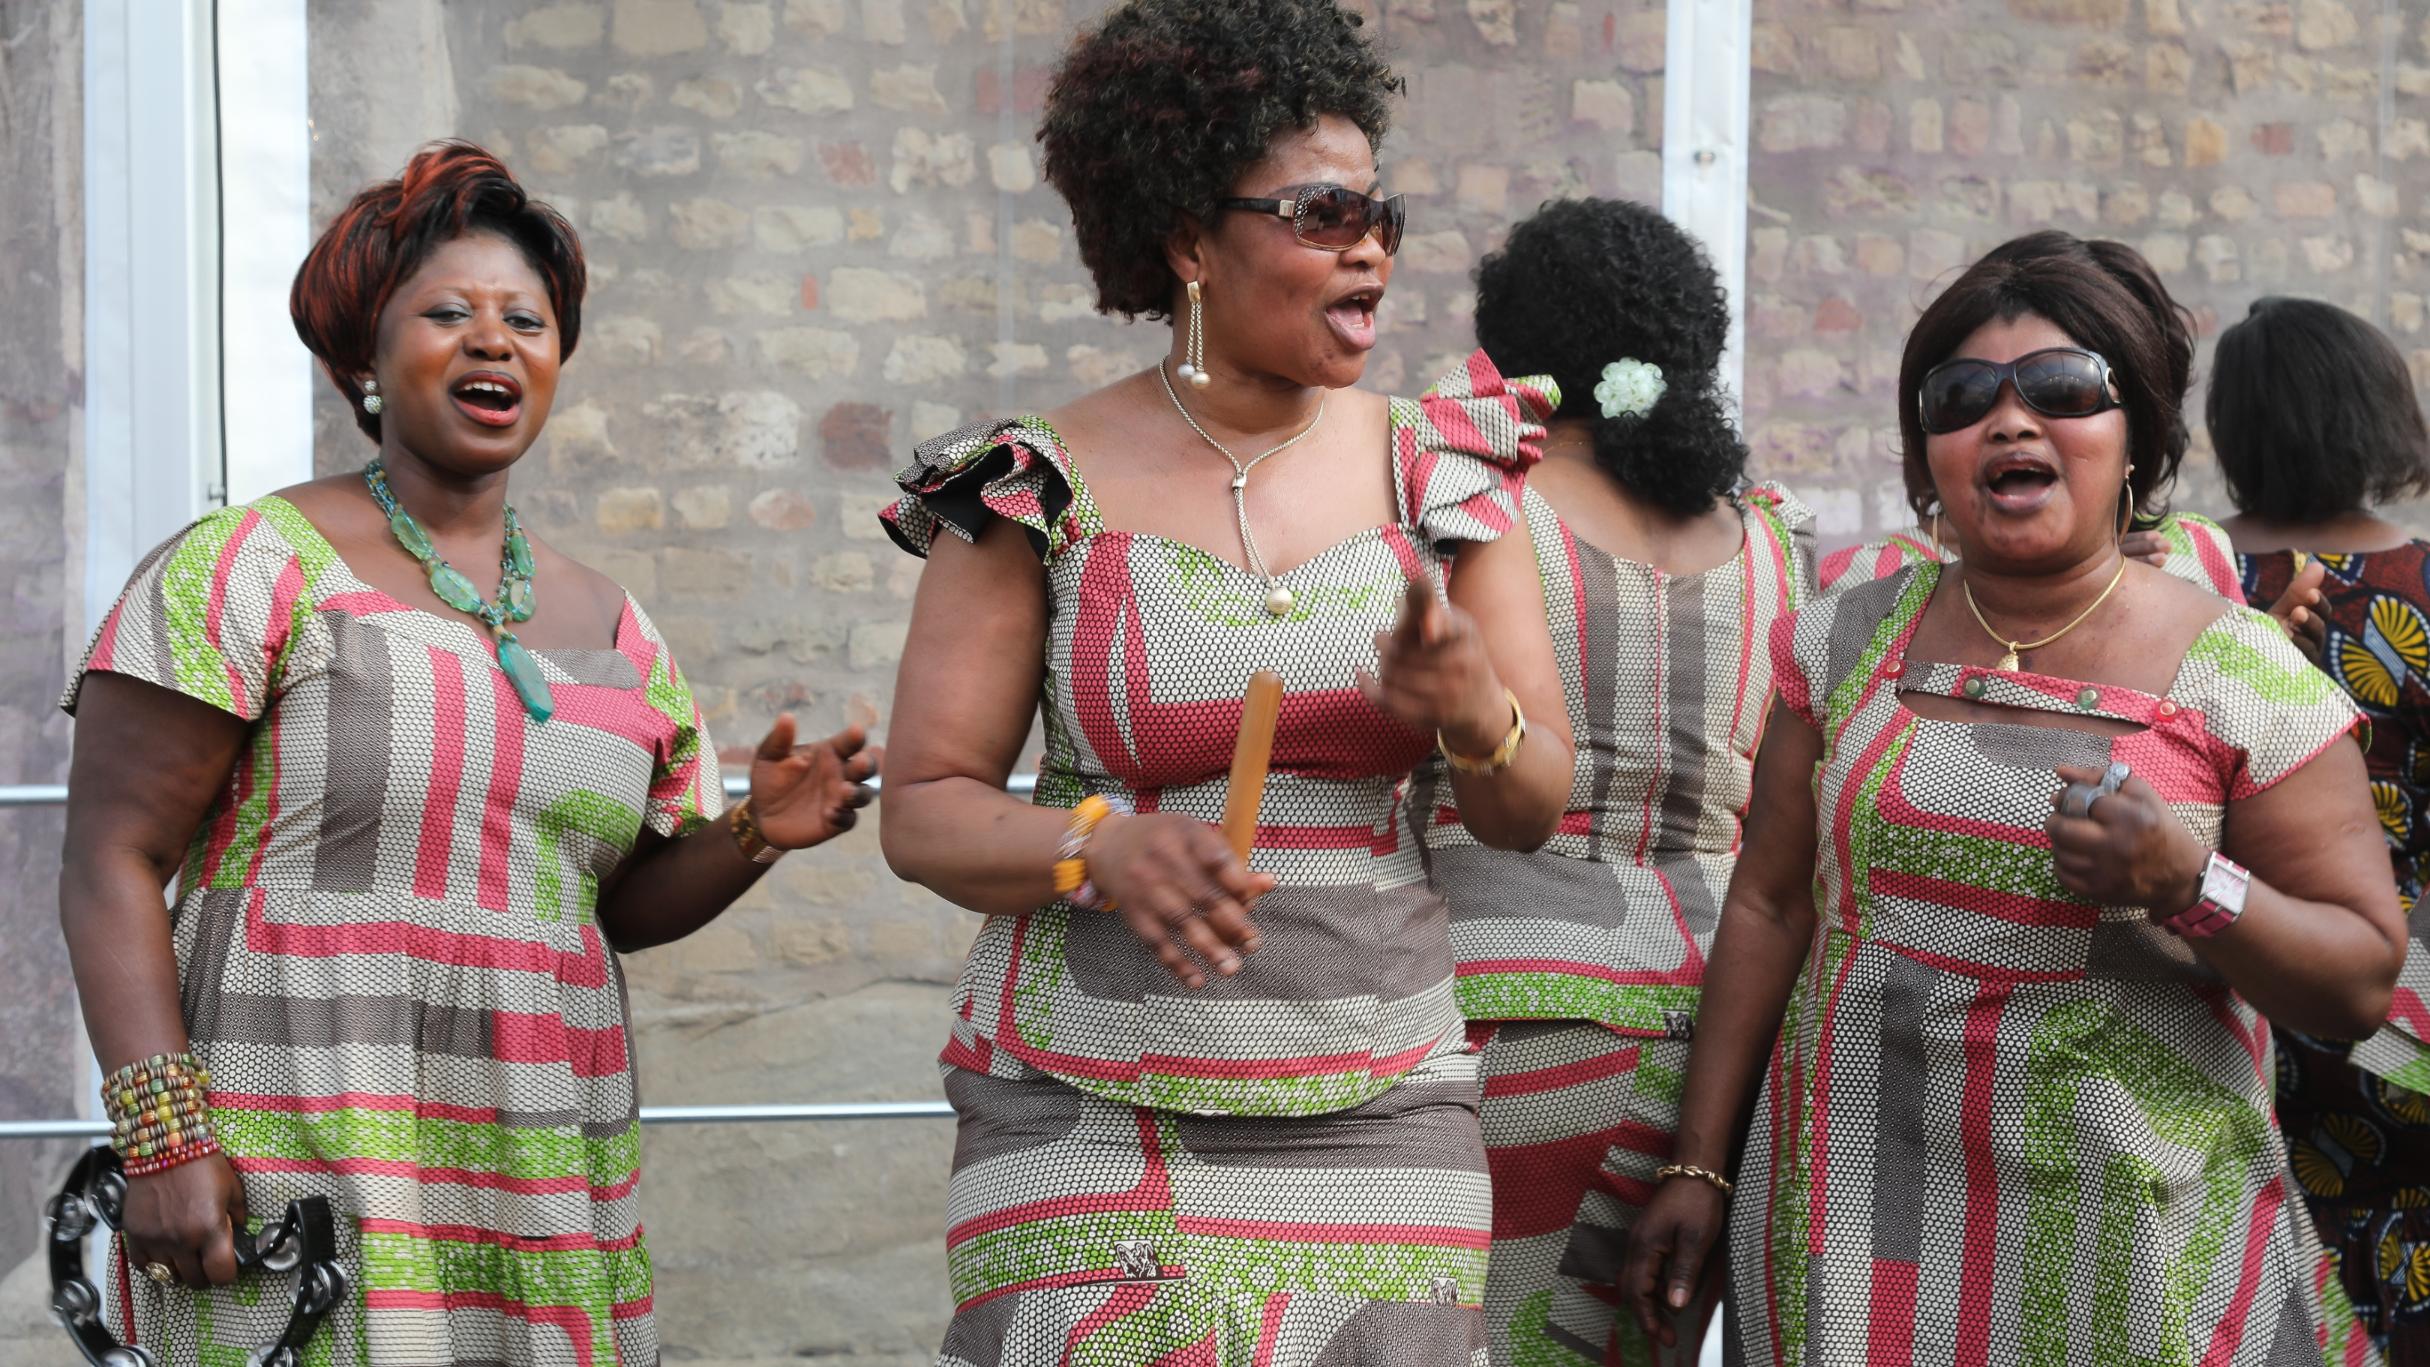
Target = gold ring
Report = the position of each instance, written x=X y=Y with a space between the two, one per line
x=161 y=1273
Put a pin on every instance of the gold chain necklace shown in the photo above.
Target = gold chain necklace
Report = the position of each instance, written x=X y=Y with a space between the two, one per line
x=2015 y=648
x=1279 y=600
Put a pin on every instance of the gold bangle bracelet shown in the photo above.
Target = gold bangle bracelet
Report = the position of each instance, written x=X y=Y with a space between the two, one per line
x=1502 y=754
x=1670 y=1170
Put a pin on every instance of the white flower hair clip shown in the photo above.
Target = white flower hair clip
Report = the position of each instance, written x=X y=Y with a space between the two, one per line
x=1630 y=387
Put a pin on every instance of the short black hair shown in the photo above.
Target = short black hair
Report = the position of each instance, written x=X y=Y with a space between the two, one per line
x=1157 y=110
x=2101 y=293
x=1586 y=282
x=2313 y=413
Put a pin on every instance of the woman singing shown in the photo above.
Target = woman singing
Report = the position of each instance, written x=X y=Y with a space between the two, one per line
x=1217 y=1111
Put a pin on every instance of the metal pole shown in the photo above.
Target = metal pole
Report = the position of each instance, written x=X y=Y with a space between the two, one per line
x=765 y=1113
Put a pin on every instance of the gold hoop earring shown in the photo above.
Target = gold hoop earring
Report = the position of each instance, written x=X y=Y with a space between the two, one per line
x=1193 y=367
x=2126 y=503
x=1939 y=551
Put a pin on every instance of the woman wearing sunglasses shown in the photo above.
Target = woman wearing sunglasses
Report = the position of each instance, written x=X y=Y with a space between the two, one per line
x=1214 y=1109
x=2070 y=828
x=2187 y=545
x=2316 y=423
x=1580 y=963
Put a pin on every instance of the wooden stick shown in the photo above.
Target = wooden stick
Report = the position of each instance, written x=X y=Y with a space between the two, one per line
x=1260 y=709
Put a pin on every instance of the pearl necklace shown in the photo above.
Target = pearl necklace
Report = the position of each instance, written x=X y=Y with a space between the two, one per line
x=1279 y=600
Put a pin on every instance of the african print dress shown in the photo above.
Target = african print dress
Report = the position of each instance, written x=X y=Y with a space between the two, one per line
x=2198 y=552
x=385 y=942
x=2004 y=1125
x=1283 y=1168
x=2357 y=1116
x=1581 y=964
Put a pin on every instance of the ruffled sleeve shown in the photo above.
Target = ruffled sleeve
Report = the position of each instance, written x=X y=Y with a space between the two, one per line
x=2200 y=552
x=213 y=613
x=1014 y=470
x=1462 y=449
x=2265 y=706
x=686 y=788
x=1851 y=565
x=1790 y=526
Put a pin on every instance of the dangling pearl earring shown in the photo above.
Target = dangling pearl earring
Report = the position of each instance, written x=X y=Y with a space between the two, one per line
x=371 y=397
x=1193 y=367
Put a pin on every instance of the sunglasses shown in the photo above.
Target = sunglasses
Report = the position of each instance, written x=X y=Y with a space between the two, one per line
x=2058 y=382
x=1334 y=218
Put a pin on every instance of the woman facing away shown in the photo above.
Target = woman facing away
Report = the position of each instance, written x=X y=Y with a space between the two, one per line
x=2070 y=829
x=412 y=827
x=1580 y=964
x=1215 y=1110
x=2316 y=423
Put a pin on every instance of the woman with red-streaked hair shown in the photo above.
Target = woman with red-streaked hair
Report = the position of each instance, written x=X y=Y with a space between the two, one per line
x=410 y=819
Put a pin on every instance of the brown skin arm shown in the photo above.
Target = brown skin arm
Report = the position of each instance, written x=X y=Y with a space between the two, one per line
x=801 y=795
x=1767 y=926
x=2322 y=935
x=148 y=762
x=963 y=698
x=1496 y=584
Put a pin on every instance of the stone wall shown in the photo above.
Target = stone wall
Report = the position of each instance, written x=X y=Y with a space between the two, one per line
x=818 y=234
x=2245 y=148
x=41 y=398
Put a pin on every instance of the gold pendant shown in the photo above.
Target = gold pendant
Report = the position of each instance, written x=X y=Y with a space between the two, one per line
x=2008 y=662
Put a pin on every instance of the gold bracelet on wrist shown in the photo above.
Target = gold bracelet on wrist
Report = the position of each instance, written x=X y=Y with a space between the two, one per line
x=1706 y=1175
x=1502 y=754
x=747 y=836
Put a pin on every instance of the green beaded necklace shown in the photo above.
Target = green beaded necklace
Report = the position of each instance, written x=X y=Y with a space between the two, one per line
x=514 y=601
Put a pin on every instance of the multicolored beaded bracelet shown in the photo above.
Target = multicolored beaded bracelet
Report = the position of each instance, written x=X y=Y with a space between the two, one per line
x=160 y=1113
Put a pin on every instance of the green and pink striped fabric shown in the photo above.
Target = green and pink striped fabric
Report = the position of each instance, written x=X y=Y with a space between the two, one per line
x=385 y=940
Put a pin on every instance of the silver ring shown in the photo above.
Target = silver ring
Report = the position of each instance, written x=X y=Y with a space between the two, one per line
x=2114 y=777
x=2078 y=799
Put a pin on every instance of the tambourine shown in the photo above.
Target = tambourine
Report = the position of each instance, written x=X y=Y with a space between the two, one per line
x=304 y=1242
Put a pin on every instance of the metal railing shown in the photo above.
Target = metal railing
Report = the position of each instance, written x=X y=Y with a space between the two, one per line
x=55 y=794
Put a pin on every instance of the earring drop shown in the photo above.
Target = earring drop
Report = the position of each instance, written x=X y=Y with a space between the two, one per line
x=1193 y=367
x=371 y=397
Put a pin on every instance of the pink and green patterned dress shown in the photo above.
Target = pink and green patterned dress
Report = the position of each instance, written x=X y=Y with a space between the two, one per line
x=1581 y=964
x=385 y=941
x=2004 y=1125
x=1283 y=1168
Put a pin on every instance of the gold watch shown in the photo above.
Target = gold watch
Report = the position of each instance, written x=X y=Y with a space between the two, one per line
x=1502 y=754
x=755 y=847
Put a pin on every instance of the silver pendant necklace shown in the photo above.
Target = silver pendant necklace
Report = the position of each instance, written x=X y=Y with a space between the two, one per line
x=1279 y=599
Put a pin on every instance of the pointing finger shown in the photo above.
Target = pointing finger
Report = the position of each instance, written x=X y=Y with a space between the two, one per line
x=778 y=743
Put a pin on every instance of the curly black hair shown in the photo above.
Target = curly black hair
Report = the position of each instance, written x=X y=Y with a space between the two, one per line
x=1156 y=111
x=1586 y=282
x=2313 y=413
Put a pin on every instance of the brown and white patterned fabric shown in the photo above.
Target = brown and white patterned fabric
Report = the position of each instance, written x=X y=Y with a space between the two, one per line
x=387 y=953
x=1314 y=1115
x=1602 y=933
x=2004 y=1125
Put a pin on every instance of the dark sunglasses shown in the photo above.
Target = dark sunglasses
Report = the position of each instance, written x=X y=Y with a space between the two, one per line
x=2058 y=382
x=1334 y=218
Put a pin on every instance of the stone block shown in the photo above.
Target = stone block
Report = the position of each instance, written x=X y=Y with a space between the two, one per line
x=859 y=295
x=658 y=28
x=772 y=296
x=713 y=97
x=924 y=359
x=794 y=228
x=562 y=26
x=2304 y=199
x=876 y=645
x=910 y=89
x=755 y=154
x=659 y=152
x=1009 y=169
x=623 y=511
x=807 y=90
x=747 y=30
x=857 y=436
x=820 y=353
x=707 y=225
x=922 y=158
x=782 y=510
x=704 y=507
x=538 y=88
